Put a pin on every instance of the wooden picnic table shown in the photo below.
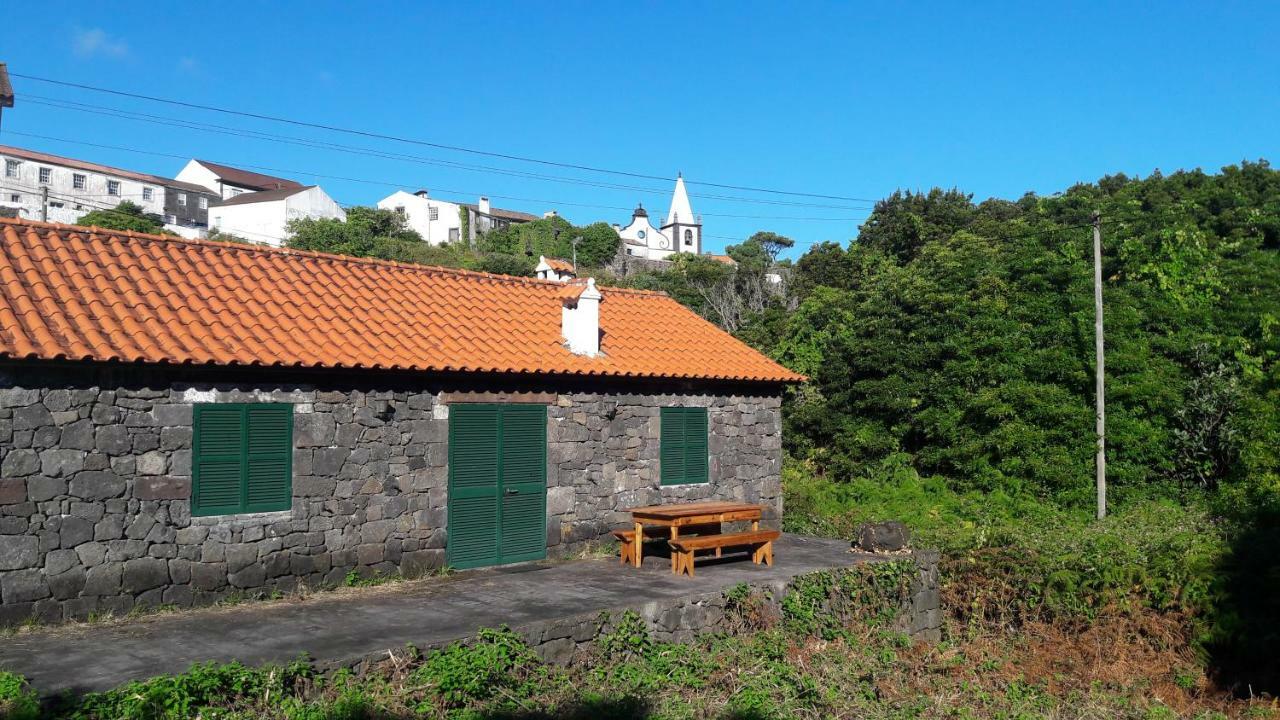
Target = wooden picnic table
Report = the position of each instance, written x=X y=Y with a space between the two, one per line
x=680 y=515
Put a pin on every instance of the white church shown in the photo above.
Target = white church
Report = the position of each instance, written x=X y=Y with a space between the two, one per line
x=682 y=231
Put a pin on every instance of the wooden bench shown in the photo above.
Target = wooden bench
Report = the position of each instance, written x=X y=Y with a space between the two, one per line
x=760 y=542
x=626 y=550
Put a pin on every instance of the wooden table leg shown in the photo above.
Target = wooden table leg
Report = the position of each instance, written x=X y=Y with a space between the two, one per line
x=675 y=557
x=639 y=542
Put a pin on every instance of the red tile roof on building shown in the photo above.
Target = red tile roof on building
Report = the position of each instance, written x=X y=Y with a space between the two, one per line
x=262 y=196
x=68 y=292
x=248 y=178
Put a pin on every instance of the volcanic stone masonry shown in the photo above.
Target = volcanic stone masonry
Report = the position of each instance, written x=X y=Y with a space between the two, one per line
x=95 y=480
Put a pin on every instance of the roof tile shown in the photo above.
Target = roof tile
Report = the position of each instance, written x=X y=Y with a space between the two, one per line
x=68 y=292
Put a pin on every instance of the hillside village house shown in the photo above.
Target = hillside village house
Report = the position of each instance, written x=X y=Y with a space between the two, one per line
x=71 y=188
x=183 y=419
x=263 y=217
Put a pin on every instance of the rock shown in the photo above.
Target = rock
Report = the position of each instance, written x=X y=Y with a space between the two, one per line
x=209 y=576
x=91 y=554
x=31 y=417
x=78 y=435
x=97 y=485
x=19 y=463
x=13 y=491
x=61 y=463
x=250 y=577
x=58 y=561
x=313 y=430
x=112 y=439
x=145 y=573
x=556 y=652
x=74 y=531
x=23 y=586
x=162 y=487
x=883 y=537
x=103 y=580
x=328 y=462
x=42 y=488
x=152 y=463
x=18 y=551
x=68 y=584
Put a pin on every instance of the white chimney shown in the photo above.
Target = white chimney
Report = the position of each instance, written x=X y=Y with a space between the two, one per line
x=421 y=193
x=550 y=214
x=580 y=319
x=484 y=206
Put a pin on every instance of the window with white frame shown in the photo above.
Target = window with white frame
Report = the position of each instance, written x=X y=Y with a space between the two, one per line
x=113 y=187
x=204 y=203
x=433 y=213
x=46 y=174
x=15 y=198
x=146 y=193
x=182 y=199
x=78 y=181
x=11 y=168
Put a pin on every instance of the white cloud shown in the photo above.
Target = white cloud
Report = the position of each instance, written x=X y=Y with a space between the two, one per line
x=95 y=42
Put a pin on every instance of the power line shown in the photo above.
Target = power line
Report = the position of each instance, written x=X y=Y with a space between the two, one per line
x=426 y=143
x=108 y=111
x=388 y=183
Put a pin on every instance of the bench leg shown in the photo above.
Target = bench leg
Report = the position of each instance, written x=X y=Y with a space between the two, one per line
x=624 y=552
x=768 y=553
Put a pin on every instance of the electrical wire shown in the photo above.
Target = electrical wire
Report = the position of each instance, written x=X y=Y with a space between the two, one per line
x=413 y=141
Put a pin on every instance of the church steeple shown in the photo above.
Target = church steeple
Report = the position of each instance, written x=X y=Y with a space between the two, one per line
x=681 y=211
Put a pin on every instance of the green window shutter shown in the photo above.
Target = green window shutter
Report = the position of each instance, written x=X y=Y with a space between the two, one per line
x=671 y=446
x=524 y=480
x=269 y=458
x=217 y=460
x=473 y=485
x=242 y=456
x=695 y=445
x=682 y=452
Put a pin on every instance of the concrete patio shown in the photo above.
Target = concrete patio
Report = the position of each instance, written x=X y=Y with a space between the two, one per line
x=351 y=625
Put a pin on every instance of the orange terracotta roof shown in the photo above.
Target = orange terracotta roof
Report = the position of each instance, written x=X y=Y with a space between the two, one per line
x=563 y=266
x=68 y=292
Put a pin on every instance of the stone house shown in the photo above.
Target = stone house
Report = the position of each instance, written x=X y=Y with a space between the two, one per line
x=181 y=420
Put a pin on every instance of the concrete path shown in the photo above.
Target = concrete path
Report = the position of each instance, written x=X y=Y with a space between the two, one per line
x=349 y=625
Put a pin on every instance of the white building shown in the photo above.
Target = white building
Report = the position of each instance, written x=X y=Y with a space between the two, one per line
x=440 y=221
x=36 y=184
x=229 y=182
x=682 y=231
x=262 y=217
x=437 y=221
x=73 y=187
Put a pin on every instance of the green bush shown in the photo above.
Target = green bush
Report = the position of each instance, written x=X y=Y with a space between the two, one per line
x=17 y=700
x=498 y=664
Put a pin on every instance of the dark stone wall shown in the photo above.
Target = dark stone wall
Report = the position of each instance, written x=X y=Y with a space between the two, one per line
x=95 y=477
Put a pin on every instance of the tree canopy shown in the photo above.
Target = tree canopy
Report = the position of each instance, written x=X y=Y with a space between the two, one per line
x=125 y=216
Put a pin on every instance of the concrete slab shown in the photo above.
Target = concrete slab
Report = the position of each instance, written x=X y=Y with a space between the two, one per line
x=349 y=625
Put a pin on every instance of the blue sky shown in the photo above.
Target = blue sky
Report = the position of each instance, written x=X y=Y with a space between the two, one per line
x=845 y=99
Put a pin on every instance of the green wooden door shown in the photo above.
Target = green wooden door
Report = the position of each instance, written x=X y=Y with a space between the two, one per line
x=497 y=484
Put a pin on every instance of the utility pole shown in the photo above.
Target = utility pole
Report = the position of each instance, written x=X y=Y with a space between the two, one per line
x=1101 y=462
x=44 y=203
x=575 y=254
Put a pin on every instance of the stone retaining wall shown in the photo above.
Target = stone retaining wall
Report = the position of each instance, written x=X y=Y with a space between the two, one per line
x=683 y=619
x=95 y=479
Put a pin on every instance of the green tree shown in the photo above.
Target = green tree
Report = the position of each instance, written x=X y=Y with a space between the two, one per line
x=125 y=216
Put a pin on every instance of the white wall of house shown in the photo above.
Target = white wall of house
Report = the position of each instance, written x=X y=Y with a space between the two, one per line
x=266 y=222
x=73 y=192
x=437 y=221
x=194 y=172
